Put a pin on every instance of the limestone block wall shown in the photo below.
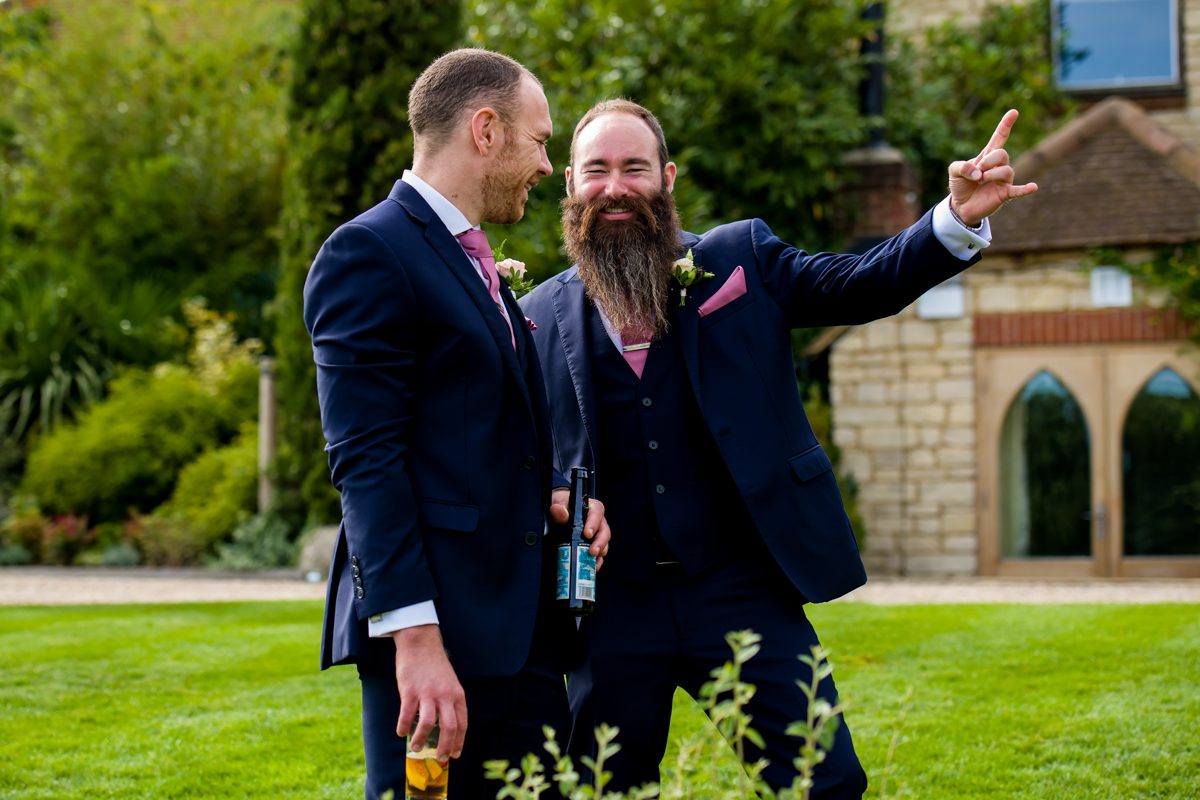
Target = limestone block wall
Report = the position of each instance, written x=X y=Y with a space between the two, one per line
x=903 y=392
x=903 y=396
x=1042 y=282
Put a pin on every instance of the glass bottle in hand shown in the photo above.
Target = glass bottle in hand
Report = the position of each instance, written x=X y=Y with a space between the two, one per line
x=575 y=587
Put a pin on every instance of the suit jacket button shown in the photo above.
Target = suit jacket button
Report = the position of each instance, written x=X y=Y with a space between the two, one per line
x=358 y=592
x=531 y=538
x=354 y=561
x=530 y=462
x=354 y=570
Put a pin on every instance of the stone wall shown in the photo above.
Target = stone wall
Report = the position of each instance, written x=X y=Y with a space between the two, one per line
x=903 y=395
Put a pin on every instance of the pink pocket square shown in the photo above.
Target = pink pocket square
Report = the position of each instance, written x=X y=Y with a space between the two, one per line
x=732 y=289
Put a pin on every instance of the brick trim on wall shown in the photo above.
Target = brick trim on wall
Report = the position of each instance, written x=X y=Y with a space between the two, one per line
x=1080 y=327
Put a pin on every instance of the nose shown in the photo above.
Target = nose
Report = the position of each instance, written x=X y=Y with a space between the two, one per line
x=545 y=168
x=615 y=187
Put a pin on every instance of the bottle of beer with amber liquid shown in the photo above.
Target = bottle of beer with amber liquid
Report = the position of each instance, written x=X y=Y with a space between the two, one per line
x=575 y=587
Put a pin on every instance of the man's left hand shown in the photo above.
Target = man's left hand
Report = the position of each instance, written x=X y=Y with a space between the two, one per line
x=595 y=527
x=979 y=187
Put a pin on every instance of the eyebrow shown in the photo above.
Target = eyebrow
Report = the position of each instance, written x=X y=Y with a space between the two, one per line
x=600 y=162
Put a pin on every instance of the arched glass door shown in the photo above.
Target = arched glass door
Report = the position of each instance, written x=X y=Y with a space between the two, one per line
x=1160 y=463
x=1045 y=473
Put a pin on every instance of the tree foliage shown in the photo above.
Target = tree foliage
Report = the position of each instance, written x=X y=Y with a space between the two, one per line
x=142 y=150
x=757 y=98
x=353 y=64
x=948 y=89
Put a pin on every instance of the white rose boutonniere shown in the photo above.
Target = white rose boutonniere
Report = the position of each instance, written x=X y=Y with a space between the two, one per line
x=512 y=271
x=686 y=273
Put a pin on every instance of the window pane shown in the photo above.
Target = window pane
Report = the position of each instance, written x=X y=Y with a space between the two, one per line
x=1045 y=473
x=1161 y=460
x=1114 y=43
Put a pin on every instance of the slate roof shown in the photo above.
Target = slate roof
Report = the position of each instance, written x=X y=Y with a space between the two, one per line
x=1113 y=176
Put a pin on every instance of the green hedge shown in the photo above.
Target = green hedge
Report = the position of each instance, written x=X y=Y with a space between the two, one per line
x=126 y=452
x=218 y=491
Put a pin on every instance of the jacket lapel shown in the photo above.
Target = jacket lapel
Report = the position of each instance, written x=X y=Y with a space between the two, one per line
x=460 y=266
x=688 y=320
x=570 y=315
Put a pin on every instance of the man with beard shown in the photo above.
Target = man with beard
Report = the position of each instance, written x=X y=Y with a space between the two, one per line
x=433 y=407
x=685 y=404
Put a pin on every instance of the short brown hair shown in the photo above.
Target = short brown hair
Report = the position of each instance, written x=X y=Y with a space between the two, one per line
x=457 y=81
x=622 y=106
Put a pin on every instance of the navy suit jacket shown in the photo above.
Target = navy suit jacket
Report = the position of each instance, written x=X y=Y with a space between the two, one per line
x=739 y=361
x=437 y=440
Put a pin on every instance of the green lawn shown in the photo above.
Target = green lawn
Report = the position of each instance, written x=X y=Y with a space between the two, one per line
x=224 y=701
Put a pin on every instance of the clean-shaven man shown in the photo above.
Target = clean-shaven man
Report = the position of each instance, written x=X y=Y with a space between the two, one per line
x=433 y=407
x=685 y=403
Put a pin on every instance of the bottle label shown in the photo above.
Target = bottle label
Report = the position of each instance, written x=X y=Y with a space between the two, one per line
x=585 y=582
x=562 y=572
x=585 y=574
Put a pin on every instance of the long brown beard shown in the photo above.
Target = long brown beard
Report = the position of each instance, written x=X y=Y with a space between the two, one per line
x=625 y=265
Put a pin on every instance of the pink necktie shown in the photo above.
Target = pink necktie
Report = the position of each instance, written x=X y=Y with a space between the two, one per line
x=475 y=242
x=635 y=346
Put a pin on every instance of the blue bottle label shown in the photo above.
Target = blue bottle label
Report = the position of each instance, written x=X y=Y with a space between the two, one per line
x=562 y=587
x=585 y=582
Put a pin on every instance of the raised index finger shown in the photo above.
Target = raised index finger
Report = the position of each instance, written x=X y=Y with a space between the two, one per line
x=1001 y=134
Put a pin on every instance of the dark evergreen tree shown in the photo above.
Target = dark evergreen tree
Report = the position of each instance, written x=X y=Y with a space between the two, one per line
x=354 y=63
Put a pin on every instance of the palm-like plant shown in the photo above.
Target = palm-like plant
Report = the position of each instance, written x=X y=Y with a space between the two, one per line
x=60 y=337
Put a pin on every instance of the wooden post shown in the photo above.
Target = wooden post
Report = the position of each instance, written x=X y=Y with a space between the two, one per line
x=266 y=431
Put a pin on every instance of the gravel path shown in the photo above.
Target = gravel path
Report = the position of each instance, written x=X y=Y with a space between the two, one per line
x=79 y=586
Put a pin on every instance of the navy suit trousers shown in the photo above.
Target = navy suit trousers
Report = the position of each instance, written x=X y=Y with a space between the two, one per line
x=646 y=640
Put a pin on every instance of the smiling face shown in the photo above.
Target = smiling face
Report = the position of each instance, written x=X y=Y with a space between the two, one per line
x=619 y=221
x=522 y=161
x=616 y=156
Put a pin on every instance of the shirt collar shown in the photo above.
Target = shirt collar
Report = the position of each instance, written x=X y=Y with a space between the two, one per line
x=454 y=220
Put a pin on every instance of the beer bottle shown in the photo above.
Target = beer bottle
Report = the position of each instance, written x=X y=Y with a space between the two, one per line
x=575 y=587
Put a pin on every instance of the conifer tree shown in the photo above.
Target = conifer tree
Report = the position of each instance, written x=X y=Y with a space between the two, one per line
x=354 y=63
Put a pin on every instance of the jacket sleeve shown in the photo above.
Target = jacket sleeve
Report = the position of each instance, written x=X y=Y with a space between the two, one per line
x=362 y=313
x=822 y=289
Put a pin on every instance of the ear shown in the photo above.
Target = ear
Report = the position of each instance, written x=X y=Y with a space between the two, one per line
x=570 y=186
x=669 y=176
x=486 y=130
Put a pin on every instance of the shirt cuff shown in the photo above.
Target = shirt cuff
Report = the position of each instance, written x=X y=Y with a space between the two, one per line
x=962 y=242
x=383 y=625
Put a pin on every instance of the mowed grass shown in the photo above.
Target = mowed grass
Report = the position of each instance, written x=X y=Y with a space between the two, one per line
x=224 y=701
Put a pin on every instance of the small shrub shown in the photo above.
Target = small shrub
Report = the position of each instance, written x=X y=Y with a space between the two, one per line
x=122 y=554
x=217 y=491
x=261 y=542
x=165 y=541
x=724 y=699
x=14 y=555
x=24 y=529
x=64 y=537
x=127 y=450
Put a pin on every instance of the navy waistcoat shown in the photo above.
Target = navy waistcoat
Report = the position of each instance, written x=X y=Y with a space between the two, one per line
x=667 y=493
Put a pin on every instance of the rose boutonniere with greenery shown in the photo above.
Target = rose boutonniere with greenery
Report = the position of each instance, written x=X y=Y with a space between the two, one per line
x=513 y=272
x=686 y=273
